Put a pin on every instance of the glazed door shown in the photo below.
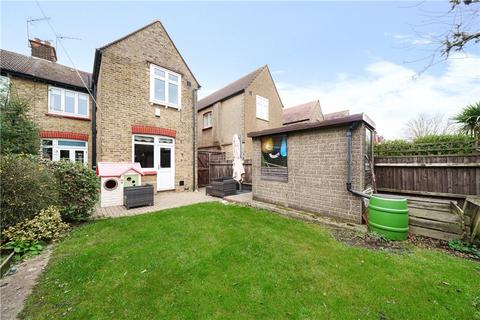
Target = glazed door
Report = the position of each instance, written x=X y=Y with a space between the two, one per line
x=166 y=167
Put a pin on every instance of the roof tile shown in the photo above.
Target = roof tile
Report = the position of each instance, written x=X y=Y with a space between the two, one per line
x=42 y=69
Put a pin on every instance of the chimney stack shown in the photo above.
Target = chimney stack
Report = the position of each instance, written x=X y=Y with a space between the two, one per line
x=43 y=50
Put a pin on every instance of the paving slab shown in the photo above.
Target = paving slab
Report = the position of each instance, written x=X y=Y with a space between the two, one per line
x=162 y=200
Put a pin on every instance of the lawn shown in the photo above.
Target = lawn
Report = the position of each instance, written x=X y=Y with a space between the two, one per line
x=215 y=261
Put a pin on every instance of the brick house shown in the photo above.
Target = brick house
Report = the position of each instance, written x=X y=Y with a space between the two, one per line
x=59 y=102
x=143 y=107
x=305 y=166
x=250 y=103
x=145 y=95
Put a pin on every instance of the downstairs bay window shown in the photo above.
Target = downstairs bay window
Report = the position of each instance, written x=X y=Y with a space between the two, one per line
x=60 y=149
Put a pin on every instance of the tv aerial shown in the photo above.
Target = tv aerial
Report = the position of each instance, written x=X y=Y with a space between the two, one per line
x=30 y=21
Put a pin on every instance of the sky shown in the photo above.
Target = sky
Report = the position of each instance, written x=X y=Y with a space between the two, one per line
x=363 y=56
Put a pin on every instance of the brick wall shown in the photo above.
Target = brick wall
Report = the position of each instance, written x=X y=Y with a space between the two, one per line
x=317 y=173
x=36 y=94
x=124 y=99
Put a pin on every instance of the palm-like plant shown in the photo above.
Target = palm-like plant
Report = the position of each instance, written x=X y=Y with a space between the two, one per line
x=469 y=119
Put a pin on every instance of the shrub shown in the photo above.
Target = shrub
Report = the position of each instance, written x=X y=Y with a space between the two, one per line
x=45 y=226
x=77 y=188
x=27 y=186
x=19 y=134
x=445 y=144
x=443 y=138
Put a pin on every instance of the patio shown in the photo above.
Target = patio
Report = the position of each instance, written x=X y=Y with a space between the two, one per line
x=162 y=200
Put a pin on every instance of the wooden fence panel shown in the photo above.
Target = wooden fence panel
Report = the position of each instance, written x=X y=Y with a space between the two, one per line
x=220 y=169
x=454 y=176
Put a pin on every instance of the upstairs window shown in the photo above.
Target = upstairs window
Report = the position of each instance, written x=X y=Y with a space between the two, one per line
x=207 y=120
x=165 y=87
x=67 y=102
x=262 y=108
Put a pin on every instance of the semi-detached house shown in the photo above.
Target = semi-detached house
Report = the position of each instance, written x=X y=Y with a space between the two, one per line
x=143 y=107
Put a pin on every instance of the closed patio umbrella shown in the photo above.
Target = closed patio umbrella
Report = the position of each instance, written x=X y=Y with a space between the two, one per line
x=237 y=163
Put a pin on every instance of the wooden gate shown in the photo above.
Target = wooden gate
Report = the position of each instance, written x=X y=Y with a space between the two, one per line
x=203 y=171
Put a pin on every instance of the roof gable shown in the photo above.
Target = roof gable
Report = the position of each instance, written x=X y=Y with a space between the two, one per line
x=154 y=24
x=231 y=89
x=300 y=113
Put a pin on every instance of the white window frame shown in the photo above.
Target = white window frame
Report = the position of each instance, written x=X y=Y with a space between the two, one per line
x=262 y=108
x=167 y=81
x=144 y=143
x=56 y=149
x=156 y=144
x=209 y=117
x=62 y=111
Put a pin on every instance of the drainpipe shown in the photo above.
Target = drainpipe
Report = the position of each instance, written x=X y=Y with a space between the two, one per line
x=194 y=142
x=349 y=163
x=94 y=127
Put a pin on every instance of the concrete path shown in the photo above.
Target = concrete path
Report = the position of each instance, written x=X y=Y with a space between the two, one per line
x=163 y=200
x=16 y=287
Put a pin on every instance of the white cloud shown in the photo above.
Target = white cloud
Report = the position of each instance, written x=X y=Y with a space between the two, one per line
x=391 y=94
x=410 y=39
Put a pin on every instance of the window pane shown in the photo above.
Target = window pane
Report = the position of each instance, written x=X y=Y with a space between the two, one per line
x=71 y=143
x=144 y=139
x=69 y=102
x=159 y=90
x=165 y=157
x=47 y=153
x=82 y=104
x=172 y=77
x=55 y=100
x=65 y=154
x=47 y=142
x=159 y=73
x=165 y=140
x=144 y=155
x=79 y=156
x=4 y=86
x=173 y=93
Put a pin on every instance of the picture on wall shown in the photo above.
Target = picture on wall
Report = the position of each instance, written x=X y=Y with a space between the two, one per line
x=274 y=151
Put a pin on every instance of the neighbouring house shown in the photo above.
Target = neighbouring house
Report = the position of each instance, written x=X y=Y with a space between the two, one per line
x=250 y=103
x=305 y=166
x=306 y=112
x=145 y=94
x=58 y=98
x=336 y=115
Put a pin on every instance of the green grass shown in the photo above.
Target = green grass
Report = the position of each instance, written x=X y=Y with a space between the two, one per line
x=213 y=261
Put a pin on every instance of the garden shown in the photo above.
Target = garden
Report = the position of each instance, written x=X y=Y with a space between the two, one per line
x=40 y=199
x=222 y=261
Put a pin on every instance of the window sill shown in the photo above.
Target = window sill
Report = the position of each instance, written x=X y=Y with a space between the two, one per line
x=150 y=173
x=266 y=120
x=207 y=128
x=50 y=114
x=163 y=104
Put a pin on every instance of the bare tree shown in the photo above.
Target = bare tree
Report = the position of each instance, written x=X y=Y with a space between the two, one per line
x=424 y=124
x=465 y=26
